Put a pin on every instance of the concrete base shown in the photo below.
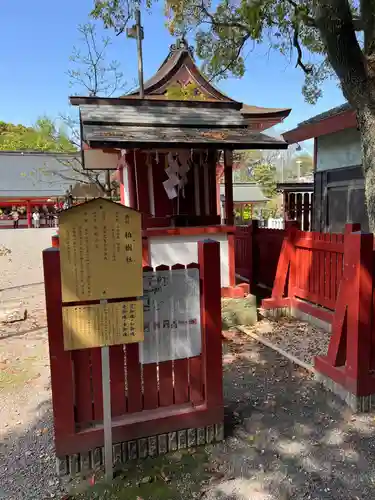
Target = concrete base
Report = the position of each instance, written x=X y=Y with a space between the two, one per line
x=359 y=404
x=294 y=312
x=237 y=312
x=312 y=320
x=82 y=463
x=277 y=312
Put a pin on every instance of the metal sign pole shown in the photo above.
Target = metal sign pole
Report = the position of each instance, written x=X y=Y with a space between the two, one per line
x=107 y=417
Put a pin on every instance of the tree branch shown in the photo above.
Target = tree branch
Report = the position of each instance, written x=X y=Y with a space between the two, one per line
x=335 y=23
x=297 y=46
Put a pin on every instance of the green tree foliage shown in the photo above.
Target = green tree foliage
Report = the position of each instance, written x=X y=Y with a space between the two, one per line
x=189 y=92
x=43 y=136
x=264 y=174
x=324 y=37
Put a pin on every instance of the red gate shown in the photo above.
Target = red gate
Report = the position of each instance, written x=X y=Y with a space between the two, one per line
x=156 y=407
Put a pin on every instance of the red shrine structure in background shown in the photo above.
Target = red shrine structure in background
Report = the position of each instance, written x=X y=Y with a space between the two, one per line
x=169 y=154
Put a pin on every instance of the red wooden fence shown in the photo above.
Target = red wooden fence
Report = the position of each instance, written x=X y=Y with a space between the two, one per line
x=257 y=253
x=147 y=400
x=317 y=267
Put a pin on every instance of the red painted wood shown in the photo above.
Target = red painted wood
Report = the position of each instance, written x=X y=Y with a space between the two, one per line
x=243 y=245
x=181 y=381
x=188 y=231
x=134 y=381
x=145 y=252
x=358 y=363
x=312 y=309
x=334 y=286
x=165 y=383
x=82 y=383
x=348 y=361
x=228 y=179
x=341 y=121
x=327 y=269
x=97 y=389
x=144 y=424
x=117 y=367
x=150 y=386
x=141 y=176
x=196 y=389
x=209 y=264
x=60 y=360
x=322 y=270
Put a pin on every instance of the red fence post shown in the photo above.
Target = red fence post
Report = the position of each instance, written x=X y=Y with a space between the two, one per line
x=209 y=264
x=252 y=231
x=286 y=263
x=60 y=360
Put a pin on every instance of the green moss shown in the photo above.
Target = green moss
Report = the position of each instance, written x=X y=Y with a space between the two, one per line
x=171 y=477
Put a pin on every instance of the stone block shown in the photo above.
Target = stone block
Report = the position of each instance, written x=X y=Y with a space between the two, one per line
x=97 y=458
x=219 y=432
x=172 y=441
x=117 y=454
x=182 y=440
x=85 y=462
x=152 y=446
x=132 y=450
x=201 y=436
x=142 y=448
x=62 y=466
x=191 y=437
x=162 y=444
x=210 y=434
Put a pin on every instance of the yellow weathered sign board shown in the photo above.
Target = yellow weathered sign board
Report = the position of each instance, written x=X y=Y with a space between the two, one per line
x=99 y=325
x=100 y=252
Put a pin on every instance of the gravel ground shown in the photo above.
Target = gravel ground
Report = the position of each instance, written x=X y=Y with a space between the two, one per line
x=287 y=438
x=296 y=337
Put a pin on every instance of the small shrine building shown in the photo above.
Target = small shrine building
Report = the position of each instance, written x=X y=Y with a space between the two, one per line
x=168 y=153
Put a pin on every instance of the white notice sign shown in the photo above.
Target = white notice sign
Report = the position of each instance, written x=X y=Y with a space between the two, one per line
x=172 y=323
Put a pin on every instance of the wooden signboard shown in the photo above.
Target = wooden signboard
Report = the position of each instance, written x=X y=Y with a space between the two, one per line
x=99 y=325
x=100 y=252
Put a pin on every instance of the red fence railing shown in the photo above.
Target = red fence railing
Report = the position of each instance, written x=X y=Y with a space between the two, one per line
x=318 y=262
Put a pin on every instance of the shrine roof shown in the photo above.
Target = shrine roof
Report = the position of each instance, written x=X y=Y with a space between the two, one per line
x=180 y=67
x=129 y=123
x=178 y=137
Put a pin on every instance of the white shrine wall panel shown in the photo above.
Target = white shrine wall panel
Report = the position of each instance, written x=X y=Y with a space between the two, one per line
x=171 y=250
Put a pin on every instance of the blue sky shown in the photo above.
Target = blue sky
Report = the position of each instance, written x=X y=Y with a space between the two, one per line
x=37 y=39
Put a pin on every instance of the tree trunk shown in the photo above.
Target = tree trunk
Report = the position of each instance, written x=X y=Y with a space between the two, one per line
x=366 y=122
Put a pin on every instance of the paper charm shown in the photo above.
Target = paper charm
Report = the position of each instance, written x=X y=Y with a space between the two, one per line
x=169 y=189
x=173 y=164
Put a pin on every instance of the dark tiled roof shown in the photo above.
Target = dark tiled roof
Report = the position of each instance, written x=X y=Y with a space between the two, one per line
x=156 y=136
x=327 y=114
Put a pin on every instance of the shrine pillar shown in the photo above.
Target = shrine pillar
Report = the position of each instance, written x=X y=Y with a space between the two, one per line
x=228 y=177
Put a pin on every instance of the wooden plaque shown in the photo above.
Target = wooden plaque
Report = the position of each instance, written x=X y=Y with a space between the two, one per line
x=100 y=252
x=99 y=325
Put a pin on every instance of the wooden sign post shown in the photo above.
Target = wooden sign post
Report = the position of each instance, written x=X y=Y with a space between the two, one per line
x=102 y=286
